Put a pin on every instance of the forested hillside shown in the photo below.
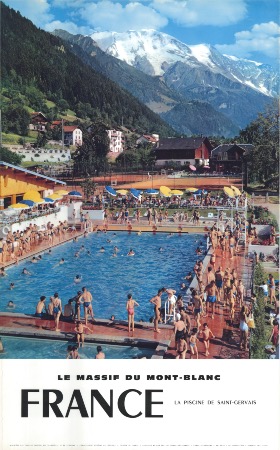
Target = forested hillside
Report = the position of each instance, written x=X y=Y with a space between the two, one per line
x=39 y=73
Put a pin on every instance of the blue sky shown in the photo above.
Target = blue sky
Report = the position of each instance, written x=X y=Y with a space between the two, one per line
x=243 y=28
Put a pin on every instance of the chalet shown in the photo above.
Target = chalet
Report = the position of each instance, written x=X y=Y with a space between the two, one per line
x=72 y=135
x=56 y=123
x=229 y=157
x=148 y=139
x=183 y=151
x=38 y=121
x=116 y=139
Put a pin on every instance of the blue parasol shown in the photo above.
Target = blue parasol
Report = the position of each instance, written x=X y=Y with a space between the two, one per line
x=152 y=191
x=48 y=200
x=28 y=202
x=74 y=194
x=135 y=193
x=111 y=191
x=199 y=192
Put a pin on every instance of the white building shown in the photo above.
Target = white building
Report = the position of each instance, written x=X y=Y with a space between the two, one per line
x=43 y=155
x=72 y=135
x=116 y=141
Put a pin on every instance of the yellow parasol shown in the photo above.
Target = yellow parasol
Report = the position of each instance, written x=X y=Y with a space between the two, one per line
x=122 y=191
x=55 y=197
x=165 y=191
x=229 y=191
x=32 y=195
x=191 y=189
x=177 y=192
x=235 y=190
x=61 y=192
x=18 y=206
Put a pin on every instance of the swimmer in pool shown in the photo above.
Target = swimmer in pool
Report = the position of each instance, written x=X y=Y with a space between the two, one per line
x=62 y=261
x=99 y=354
x=34 y=260
x=11 y=305
x=77 y=254
x=161 y=249
x=102 y=250
x=12 y=285
x=116 y=249
x=25 y=272
x=131 y=253
x=77 y=279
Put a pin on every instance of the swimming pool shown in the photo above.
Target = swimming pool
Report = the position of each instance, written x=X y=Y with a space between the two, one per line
x=30 y=348
x=108 y=278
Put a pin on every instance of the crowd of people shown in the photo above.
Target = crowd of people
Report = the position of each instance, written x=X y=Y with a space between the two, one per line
x=21 y=243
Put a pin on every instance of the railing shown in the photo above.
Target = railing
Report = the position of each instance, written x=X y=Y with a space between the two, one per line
x=9 y=220
x=167 y=315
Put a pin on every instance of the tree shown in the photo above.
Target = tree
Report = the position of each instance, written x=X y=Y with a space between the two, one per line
x=146 y=156
x=91 y=156
x=88 y=187
x=41 y=140
x=15 y=119
x=10 y=157
x=263 y=133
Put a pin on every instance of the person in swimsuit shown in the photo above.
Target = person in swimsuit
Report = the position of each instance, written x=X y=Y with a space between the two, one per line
x=231 y=245
x=212 y=292
x=72 y=352
x=272 y=297
x=198 y=306
x=41 y=306
x=219 y=282
x=156 y=301
x=57 y=309
x=240 y=292
x=243 y=328
x=86 y=299
x=79 y=330
x=182 y=348
x=193 y=343
x=179 y=330
x=185 y=318
x=206 y=335
x=100 y=354
x=171 y=299
x=130 y=304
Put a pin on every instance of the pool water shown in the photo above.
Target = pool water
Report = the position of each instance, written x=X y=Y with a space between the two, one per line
x=108 y=278
x=30 y=348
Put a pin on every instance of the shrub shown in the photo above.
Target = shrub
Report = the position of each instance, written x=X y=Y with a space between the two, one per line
x=258 y=334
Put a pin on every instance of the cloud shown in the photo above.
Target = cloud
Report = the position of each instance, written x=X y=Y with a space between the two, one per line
x=68 y=3
x=262 y=38
x=202 y=12
x=111 y=16
x=71 y=27
x=38 y=11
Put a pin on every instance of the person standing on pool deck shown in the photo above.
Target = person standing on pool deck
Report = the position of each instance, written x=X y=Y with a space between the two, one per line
x=206 y=335
x=57 y=309
x=86 y=299
x=212 y=291
x=130 y=311
x=156 y=301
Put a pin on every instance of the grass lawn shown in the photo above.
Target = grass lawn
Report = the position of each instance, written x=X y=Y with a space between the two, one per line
x=50 y=104
x=12 y=139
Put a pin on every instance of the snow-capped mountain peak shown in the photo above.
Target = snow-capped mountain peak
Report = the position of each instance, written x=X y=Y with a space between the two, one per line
x=154 y=53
